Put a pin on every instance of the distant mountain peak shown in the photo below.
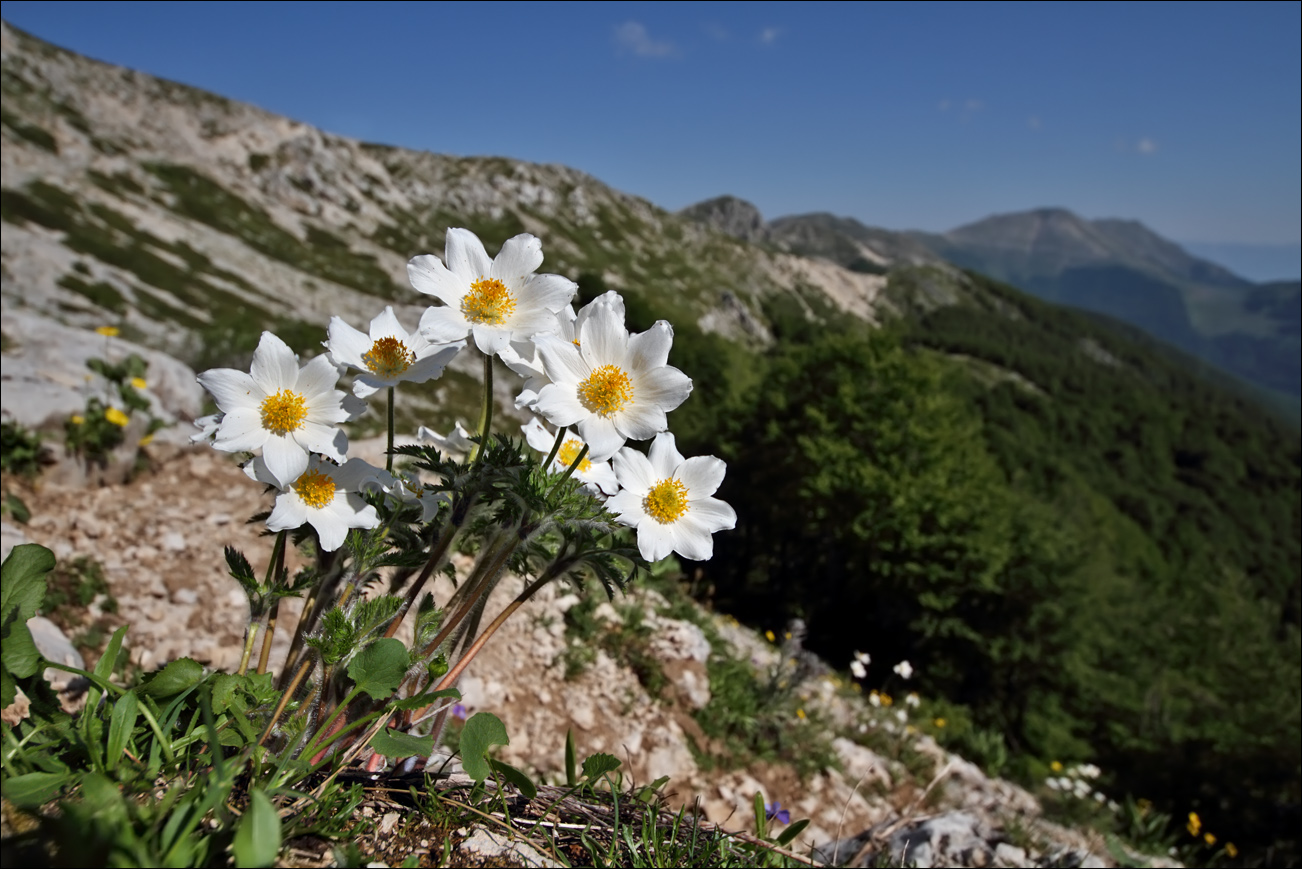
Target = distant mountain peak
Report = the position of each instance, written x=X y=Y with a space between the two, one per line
x=731 y=216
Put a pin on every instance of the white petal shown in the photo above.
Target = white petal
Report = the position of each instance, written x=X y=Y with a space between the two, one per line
x=330 y=528
x=602 y=475
x=701 y=475
x=641 y=420
x=386 y=325
x=286 y=460
x=519 y=257
x=601 y=436
x=691 y=540
x=290 y=512
x=713 y=514
x=605 y=342
x=665 y=387
x=429 y=276
x=443 y=325
x=316 y=381
x=531 y=321
x=353 y=474
x=654 y=540
x=537 y=436
x=490 y=339
x=551 y=292
x=241 y=431
x=634 y=471
x=664 y=455
x=274 y=365
x=650 y=349
x=466 y=256
x=232 y=389
x=561 y=360
x=347 y=344
x=559 y=405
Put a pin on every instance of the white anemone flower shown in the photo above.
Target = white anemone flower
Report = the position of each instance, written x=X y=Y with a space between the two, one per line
x=457 y=443
x=207 y=426
x=389 y=355
x=667 y=499
x=496 y=300
x=597 y=477
x=324 y=496
x=613 y=386
x=406 y=489
x=904 y=670
x=284 y=410
x=523 y=357
x=859 y=666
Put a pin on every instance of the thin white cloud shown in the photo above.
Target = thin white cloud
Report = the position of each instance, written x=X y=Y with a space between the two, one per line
x=769 y=35
x=717 y=31
x=633 y=36
x=966 y=109
x=971 y=105
x=1146 y=146
x=1033 y=122
x=943 y=105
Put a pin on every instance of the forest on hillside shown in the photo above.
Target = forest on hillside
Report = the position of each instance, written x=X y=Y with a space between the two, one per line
x=1089 y=548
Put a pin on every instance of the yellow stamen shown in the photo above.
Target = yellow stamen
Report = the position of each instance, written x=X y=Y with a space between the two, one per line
x=666 y=502
x=315 y=488
x=388 y=357
x=606 y=391
x=569 y=451
x=489 y=302
x=283 y=412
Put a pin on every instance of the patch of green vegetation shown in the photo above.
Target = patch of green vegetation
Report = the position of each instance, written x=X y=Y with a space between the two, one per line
x=99 y=293
x=20 y=449
x=627 y=641
x=119 y=183
x=198 y=197
x=38 y=136
x=258 y=162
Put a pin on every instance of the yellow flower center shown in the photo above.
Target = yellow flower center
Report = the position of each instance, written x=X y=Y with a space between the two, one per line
x=315 y=488
x=666 y=502
x=569 y=451
x=283 y=412
x=388 y=357
x=606 y=391
x=489 y=302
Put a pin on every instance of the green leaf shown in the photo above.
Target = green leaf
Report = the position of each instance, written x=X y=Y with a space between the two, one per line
x=761 y=817
x=380 y=667
x=181 y=674
x=515 y=777
x=597 y=765
x=34 y=788
x=396 y=744
x=571 y=764
x=791 y=832
x=482 y=732
x=22 y=580
x=122 y=723
x=257 y=840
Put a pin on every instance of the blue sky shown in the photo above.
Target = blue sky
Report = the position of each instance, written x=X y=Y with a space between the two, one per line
x=1187 y=117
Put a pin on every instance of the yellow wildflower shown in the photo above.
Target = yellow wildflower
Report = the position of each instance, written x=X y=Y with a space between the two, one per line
x=117 y=417
x=768 y=635
x=1056 y=766
x=78 y=419
x=940 y=722
x=1195 y=824
x=139 y=383
x=1209 y=839
x=800 y=713
x=1231 y=850
x=108 y=331
x=145 y=441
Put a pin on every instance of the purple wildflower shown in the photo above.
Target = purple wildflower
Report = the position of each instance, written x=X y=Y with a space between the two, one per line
x=459 y=711
x=774 y=812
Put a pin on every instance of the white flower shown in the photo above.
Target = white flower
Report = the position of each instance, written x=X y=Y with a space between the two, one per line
x=457 y=444
x=523 y=357
x=389 y=355
x=875 y=699
x=284 y=410
x=597 y=477
x=323 y=496
x=406 y=488
x=207 y=426
x=904 y=670
x=667 y=498
x=613 y=386
x=497 y=300
x=858 y=670
x=913 y=700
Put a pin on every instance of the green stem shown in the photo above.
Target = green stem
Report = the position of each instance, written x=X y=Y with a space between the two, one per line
x=486 y=415
x=556 y=448
x=436 y=556
x=388 y=463
x=251 y=634
x=578 y=460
